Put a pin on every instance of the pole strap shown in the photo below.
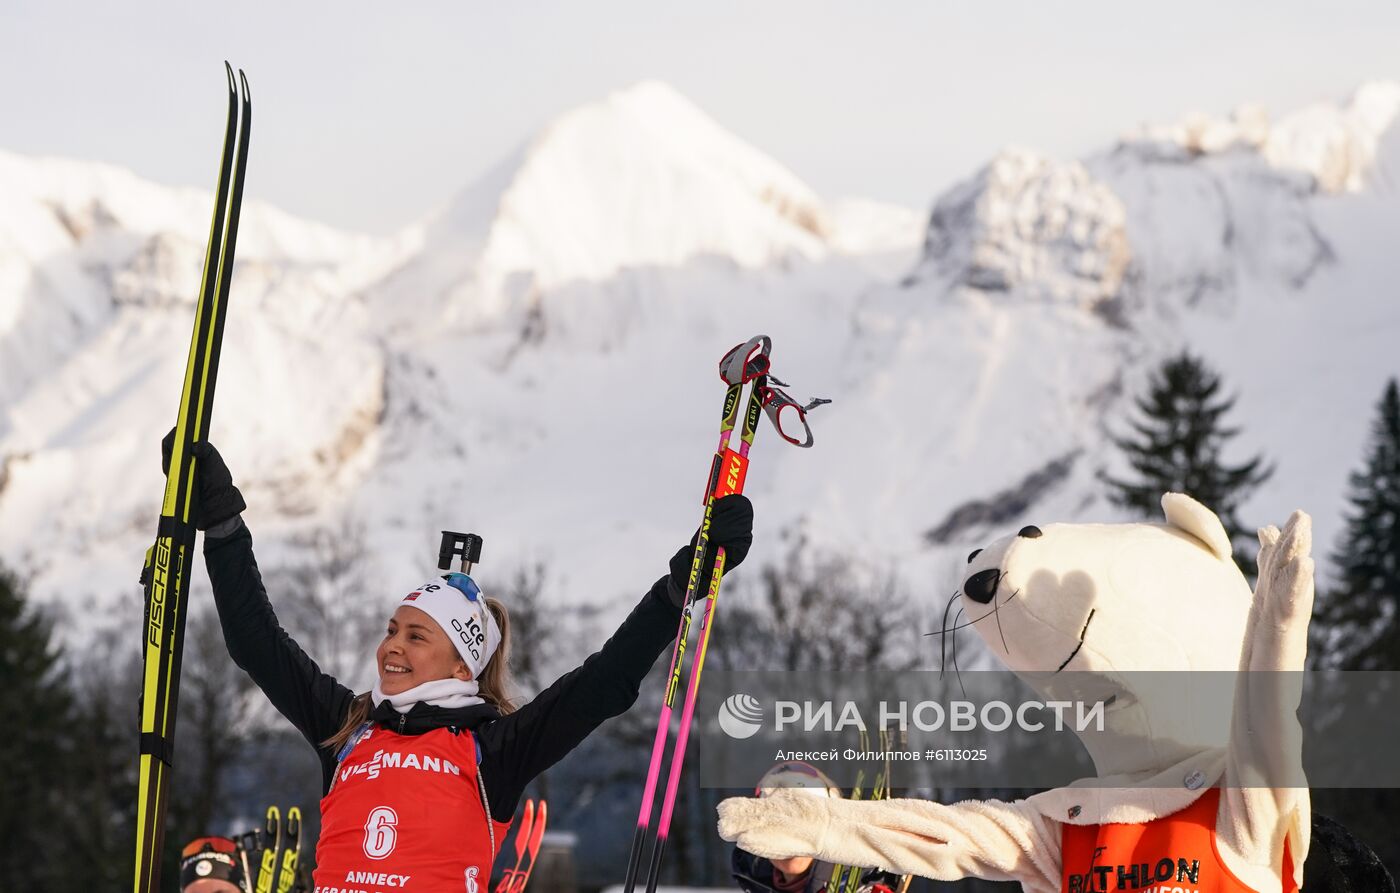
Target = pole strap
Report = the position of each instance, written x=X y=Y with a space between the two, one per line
x=751 y=360
x=777 y=401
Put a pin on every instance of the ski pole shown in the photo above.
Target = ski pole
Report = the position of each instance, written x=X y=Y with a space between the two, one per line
x=881 y=792
x=247 y=842
x=833 y=883
x=730 y=479
x=750 y=357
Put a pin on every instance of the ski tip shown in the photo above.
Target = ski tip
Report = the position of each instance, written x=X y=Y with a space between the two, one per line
x=522 y=831
x=247 y=93
x=541 y=819
x=232 y=85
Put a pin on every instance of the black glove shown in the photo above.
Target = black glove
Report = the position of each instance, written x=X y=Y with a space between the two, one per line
x=218 y=499
x=731 y=527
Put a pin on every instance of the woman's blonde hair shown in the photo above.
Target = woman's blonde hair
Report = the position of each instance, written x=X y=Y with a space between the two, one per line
x=493 y=685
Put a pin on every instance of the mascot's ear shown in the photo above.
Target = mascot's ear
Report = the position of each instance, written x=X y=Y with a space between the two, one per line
x=1188 y=515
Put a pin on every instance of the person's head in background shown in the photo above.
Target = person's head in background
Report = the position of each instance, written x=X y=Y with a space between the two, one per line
x=795 y=774
x=211 y=865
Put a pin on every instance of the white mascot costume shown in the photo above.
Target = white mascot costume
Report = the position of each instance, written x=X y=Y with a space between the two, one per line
x=1179 y=802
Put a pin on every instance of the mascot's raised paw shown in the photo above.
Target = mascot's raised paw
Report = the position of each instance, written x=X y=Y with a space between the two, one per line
x=1284 y=592
x=779 y=826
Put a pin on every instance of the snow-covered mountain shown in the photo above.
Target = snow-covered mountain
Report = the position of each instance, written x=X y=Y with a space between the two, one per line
x=535 y=360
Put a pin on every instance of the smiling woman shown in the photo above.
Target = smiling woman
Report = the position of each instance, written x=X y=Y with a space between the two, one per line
x=419 y=661
x=423 y=773
x=415 y=650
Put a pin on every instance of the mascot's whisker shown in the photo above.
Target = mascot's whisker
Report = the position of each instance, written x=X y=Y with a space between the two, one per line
x=996 y=610
x=942 y=633
x=973 y=620
x=956 y=670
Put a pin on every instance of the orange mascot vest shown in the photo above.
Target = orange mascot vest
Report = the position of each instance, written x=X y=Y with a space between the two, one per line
x=1173 y=854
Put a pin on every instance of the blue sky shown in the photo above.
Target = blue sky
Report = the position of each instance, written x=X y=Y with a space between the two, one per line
x=368 y=116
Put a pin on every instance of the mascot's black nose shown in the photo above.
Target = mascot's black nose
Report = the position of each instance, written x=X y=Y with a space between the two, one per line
x=1030 y=532
x=982 y=586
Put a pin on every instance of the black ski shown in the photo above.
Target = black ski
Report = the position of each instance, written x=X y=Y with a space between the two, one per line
x=168 y=562
x=291 y=852
x=271 y=850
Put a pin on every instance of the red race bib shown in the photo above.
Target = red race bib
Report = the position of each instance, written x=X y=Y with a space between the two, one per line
x=406 y=814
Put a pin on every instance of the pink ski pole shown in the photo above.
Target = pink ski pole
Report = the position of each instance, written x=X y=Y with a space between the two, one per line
x=746 y=362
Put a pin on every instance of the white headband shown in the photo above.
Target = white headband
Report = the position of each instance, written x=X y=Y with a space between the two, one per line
x=456 y=603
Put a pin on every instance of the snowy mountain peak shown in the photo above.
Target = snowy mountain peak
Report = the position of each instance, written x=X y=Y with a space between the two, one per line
x=658 y=104
x=1334 y=142
x=1171 y=217
x=642 y=178
x=1025 y=221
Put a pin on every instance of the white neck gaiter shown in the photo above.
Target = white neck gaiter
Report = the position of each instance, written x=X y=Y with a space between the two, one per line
x=449 y=693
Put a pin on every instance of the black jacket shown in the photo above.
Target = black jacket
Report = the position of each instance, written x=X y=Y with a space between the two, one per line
x=754 y=874
x=514 y=748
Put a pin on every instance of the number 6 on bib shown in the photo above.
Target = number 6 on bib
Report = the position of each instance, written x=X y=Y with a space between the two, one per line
x=380 y=835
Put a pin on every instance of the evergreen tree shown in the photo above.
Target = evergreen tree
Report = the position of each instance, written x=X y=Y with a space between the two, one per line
x=99 y=794
x=1356 y=621
x=1178 y=443
x=33 y=747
